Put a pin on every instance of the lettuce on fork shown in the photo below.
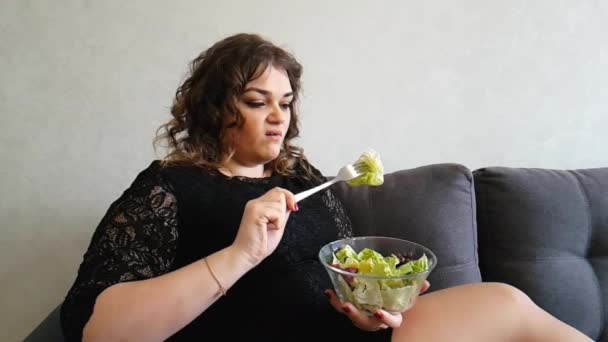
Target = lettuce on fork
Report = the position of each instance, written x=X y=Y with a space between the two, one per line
x=373 y=171
x=372 y=294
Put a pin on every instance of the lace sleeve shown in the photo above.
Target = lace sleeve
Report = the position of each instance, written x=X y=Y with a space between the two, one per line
x=136 y=239
x=341 y=219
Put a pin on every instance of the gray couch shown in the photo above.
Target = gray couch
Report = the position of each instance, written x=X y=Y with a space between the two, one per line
x=543 y=231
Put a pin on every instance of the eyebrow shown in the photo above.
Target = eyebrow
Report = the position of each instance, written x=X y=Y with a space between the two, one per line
x=266 y=92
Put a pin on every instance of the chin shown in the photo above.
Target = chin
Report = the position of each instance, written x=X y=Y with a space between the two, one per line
x=269 y=156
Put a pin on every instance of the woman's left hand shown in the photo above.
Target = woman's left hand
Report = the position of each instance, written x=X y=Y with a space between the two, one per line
x=381 y=319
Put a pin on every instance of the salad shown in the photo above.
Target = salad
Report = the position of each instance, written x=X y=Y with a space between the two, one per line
x=372 y=294
x=373 y=170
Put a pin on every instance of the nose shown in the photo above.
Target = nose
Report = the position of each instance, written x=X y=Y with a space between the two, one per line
x=277 y=114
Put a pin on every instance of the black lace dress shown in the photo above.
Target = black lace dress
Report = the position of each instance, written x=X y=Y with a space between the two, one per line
x=170 y=217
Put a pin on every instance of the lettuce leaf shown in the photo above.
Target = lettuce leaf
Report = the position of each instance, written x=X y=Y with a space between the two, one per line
x=346 y=252
x=372 y=168
x=373 y=294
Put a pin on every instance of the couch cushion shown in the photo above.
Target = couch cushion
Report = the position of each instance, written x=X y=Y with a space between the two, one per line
x=49 y=330
x=546 y=232
x=432 y=205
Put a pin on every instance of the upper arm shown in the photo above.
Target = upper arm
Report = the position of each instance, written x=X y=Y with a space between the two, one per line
x=135 y=240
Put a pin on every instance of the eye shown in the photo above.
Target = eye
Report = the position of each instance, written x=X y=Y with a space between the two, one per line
x=255 y=104
x=285 y=106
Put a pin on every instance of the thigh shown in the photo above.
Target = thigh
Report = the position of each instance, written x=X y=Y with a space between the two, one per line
x=475 y=312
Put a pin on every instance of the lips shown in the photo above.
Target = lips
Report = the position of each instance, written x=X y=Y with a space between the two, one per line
x=274 y=133
x=274 y=136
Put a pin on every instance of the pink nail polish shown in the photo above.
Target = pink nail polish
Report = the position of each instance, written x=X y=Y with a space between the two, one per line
x=346 y=309
x=378 y=314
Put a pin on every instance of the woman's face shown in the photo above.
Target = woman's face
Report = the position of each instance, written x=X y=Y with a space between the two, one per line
x=266 y=114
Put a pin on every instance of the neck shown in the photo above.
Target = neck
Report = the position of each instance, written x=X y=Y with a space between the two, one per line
x=232 y=168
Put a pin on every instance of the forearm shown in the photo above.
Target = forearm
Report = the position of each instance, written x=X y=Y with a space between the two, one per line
x=156 y=308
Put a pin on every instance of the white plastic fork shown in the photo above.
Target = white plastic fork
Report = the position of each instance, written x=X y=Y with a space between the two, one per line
x=346 y=173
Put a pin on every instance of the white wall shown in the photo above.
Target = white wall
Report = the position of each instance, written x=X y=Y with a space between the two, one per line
x=84 y=84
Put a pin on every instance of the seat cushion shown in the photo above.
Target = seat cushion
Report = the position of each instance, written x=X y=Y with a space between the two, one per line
x=432 y=205
x=546 y=233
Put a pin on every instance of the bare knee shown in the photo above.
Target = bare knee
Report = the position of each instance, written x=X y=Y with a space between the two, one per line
x=510 y=295
x=514 y=304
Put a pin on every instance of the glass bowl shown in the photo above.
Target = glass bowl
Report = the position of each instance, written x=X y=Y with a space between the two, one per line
x=369 y=292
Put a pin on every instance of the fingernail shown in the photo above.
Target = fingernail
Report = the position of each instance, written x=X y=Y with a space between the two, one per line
x=346 y=309
x=378 y=314
x=327 y=294
x=297 y=208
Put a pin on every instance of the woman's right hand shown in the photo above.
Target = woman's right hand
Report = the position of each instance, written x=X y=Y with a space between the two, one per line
x=263 y=224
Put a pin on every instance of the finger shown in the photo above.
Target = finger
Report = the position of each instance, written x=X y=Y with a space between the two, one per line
x=390 y=319
x=376 y=327
x=290 y=200
x=287 y=199
x=365 y=323
x=277 y=216
x=373 y=326
x=361 y=319
x=425 y=287
x=334 y=300
x=271 y=216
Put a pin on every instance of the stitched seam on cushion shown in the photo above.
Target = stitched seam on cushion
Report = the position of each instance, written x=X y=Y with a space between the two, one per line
x=585 y=196
x=456 y=267
x=583 y=190
x=473 y=206
x=489 y=241
x=542 y=259
x=597 y=283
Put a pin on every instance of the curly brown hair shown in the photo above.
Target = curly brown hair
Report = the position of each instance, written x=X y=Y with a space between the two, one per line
x=206 y=101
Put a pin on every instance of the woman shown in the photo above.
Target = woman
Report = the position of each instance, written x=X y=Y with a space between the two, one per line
x=209 y=244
